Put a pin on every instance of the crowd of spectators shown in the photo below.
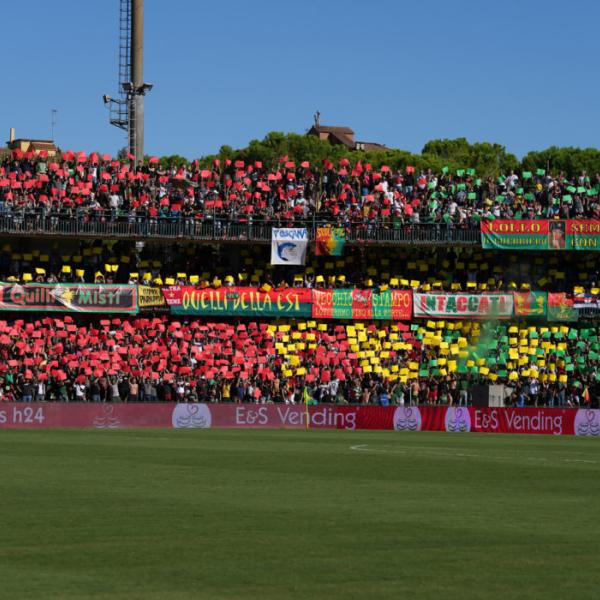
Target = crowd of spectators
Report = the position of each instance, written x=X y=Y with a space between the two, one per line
x=76 y=186
x=161 y=359
x=450 y=269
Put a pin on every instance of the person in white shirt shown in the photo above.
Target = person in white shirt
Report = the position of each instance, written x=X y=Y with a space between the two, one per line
x=40 y=391
x=333 y=388
x=79 y=392
x=115 y=201
x=511 y=181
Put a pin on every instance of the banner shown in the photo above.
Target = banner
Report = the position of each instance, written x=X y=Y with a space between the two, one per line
x=531 y=304
x=586 y=301
x=362 y=304
x=330 y=241
x=560 y=307
x=453 y=419
x=238 y=301
x=149 y=297
x=393 y=305
x=67 y=297
x=543 y=234
x=463 y=306
x=288 y=246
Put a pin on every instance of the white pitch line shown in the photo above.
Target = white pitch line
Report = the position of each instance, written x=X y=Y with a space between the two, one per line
x=422 y=451
x=360 y=447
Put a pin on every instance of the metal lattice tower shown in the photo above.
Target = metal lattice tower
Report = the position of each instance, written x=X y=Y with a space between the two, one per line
x=127 y=111
x=119 y=108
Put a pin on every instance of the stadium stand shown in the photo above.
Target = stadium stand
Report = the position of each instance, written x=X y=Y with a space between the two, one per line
x=161 y=359
x=451 y=269
x=99 y=188
x=91 y=219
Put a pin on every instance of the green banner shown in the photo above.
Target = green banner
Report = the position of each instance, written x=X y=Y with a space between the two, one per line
x=238 y=301
x=540 y=234
x=560 y=308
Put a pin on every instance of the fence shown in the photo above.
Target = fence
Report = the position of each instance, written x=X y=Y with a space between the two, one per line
x=211 y=230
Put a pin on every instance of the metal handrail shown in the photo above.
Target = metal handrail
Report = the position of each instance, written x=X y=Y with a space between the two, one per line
x=108 y=225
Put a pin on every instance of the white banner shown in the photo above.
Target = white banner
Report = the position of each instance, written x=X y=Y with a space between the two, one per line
x=288 y=246
x=463 y=306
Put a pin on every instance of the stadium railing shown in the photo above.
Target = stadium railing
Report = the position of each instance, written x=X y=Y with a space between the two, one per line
x=105 y=225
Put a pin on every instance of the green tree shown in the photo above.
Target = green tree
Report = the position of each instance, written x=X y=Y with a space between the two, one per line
x=568 y=160
x=175 y=160
x=487 y=158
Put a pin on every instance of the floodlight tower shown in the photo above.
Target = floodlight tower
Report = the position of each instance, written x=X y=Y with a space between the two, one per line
x=127 y=111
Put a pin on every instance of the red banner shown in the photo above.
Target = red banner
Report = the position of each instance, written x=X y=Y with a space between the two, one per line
x=362 y=304
x=402 y=302
x=549 y=421
x=83 y=416
x=387 y=305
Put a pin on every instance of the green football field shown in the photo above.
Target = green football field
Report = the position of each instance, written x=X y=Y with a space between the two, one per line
x=266 y=515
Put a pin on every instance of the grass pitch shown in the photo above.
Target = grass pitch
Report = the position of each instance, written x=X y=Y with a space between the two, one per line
x=161 y=515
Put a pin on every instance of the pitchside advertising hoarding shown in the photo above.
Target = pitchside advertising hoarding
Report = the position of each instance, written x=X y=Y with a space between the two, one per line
x=540 y=234
x=453 y=419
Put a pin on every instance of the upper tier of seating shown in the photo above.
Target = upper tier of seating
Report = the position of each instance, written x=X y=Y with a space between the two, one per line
x=91 y=188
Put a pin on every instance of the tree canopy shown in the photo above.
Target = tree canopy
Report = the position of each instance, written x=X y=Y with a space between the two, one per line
x=488 y=159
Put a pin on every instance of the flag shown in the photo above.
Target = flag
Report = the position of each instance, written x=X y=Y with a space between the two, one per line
x=531 y=304
x=307 y=396
x=330 y=241
x=288 y=246
x=560 y=308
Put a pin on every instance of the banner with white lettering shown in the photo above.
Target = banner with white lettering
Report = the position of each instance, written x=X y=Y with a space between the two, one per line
x=540 y=234
x=453 y=419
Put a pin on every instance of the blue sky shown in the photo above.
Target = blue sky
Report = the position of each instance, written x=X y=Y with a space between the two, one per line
x=521 y=73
